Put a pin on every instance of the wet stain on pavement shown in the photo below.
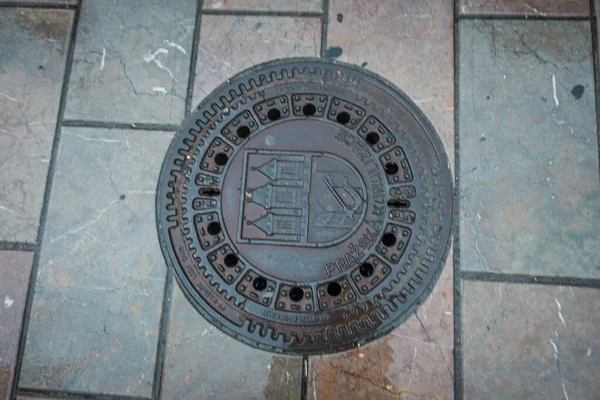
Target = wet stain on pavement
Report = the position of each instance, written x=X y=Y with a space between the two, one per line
x=577 y=91
x=333 y=52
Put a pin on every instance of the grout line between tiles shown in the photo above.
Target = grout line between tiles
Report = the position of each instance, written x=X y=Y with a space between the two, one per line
x=18 y=246
x=79 y=123
x=530 y=279
x=596 y=64
x=458 y=381
x=47 y=191
x=62 y=394
x=162 y=335
x=193 y=59
x=265 y=13
x=523 y=17
x=324 y=25
x=49 y=5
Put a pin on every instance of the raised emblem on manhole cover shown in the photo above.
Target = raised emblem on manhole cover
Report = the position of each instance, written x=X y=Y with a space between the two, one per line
x=305 y=206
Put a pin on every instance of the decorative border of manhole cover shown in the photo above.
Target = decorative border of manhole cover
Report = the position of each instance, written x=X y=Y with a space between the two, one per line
x=306 y=206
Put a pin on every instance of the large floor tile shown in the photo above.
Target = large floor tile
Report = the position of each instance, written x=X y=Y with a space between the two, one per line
x=15 y=268
x=34 y=44
x=529 y=7
x=132 y=61
x=201 y=362
x=530 y=341
x=530 y=198
x=231 y=44
x=597 y=33
x=99 y=291
x=413 y=362
x=267 y=5
x=32 y=398
x=398 y=40
x=37 y=2
x=408 y=42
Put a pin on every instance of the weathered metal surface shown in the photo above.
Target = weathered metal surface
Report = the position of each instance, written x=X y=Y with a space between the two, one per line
x=306 y=206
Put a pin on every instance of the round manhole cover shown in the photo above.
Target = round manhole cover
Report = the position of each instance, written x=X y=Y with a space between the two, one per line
x=305 y=206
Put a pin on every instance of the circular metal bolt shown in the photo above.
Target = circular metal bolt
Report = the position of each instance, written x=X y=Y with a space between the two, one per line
x=388 y=240
x=230 y=260
x=214 y=228
x=391 y=168
x=366 y=270
x=221 y=159
x=372 y=138
x=343 y=118
x=243 y=132
x=296 y=294
x=259 y=283
x=334 y=289
x=309 y=109
x=274 y=114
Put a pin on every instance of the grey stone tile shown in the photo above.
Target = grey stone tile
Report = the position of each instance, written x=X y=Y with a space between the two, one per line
x=15 y=268
x=34 y=44
x=33 y=398
x=132 y=61
x=408 y=42
x=530 y=198
x=533 y=342
x=597 y=15
x=37 y=397
x=268 y=5
x=98 y=296
x=231 y=44
x=527 y=7
x=201 y=362
x=35 y=2
x=413 y=362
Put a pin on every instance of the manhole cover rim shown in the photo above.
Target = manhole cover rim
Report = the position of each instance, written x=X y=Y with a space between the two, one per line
x=204 y=308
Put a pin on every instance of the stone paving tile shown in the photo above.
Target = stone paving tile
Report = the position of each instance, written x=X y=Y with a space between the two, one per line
x=132 y=61
x=231 y=44
x=597 y=15
x=15 y=268
x=530 y=198
x=530 y=7
x=530 y=341
x=269 y=5
x=34 y=2
x=33 y=398
x=98 y=296
x=398 y=40
x=408 y=42
x=201 y=362
x=413 y=362
x=34 y=45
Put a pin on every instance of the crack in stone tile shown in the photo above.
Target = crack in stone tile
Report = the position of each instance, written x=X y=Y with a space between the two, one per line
x=86 y=225
x=533 y=51
x=399 y=395
x=439 y=347
x=560 y=373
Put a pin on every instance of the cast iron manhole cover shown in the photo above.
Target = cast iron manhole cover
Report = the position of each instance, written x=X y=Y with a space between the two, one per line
x=305 y=206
